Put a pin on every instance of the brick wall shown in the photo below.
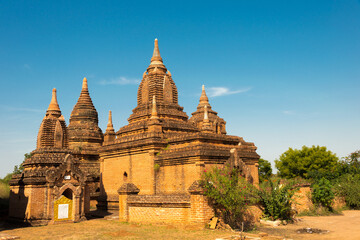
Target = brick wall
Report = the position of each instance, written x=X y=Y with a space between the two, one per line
x=139 y=169
x=201 y=212
x=159 y=214
x=166 y=208
x=302 y=199
x=158 y=208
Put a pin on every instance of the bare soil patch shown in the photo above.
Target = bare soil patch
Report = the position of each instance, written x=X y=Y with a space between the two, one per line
x=345 y=226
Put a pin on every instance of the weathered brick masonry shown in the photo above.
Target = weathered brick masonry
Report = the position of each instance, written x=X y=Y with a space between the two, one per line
x=149 y=170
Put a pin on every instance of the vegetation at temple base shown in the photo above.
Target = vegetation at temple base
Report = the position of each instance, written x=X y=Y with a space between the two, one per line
x=322 y=194
x=348 y=187
x=276 y=198
x=330 y=176
x=308 y=162
x=229 y=193
x=265 y=170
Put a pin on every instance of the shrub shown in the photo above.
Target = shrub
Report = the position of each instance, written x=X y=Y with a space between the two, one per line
x=348 y=187
x=322 y=193
x=229 y=193
x=276 y=199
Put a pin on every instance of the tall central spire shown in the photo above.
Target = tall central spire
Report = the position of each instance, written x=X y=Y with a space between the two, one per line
x=156 y=55
x=156 y=63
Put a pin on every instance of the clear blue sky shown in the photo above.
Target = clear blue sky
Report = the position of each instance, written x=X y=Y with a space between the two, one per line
x=281 y=73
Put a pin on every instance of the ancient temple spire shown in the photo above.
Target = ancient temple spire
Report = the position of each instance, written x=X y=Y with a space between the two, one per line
x=110 y=127
x=156 y=55
x=52 y=131
x=156 y=60
x=83 y=129
x=154 y=114
x=84 y=84
x=53 y=108
x=204 y=100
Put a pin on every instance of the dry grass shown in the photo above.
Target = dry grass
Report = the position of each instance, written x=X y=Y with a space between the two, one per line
x=112 y=229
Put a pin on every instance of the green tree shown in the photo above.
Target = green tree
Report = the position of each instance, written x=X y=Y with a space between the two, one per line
x=351 y=163
x=308 y=162
x=17 y=169
x=265 y=170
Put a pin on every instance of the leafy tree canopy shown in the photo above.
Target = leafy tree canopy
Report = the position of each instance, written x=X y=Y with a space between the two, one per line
x=308 y=162
x=351 y=163
x=265 y=170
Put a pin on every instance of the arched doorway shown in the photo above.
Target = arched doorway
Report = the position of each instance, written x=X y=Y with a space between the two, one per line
x=63 y=206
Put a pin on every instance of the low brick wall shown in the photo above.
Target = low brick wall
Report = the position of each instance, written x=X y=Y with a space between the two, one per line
x=302 y=200
x=159 y=208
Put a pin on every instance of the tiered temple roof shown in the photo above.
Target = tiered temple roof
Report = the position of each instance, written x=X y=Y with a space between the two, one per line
x=157 y=82
x=214 y=123
x=84 y=132
x=52 y=147
x=52 y=132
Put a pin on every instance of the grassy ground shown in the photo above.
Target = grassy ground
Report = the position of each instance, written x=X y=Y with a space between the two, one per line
x=113 y=229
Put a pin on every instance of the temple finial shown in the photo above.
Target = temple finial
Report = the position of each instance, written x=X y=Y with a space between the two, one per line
x=154 y=114
x=156 y=60
x=84 y=85
x=110 y=127
x=54 y=106
x=204 y=100
x=156 y=55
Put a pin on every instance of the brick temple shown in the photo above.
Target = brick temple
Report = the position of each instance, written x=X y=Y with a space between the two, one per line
x=149 y=170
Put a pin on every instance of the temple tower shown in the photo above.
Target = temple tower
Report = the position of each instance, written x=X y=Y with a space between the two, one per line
x=216 y=124
x=85 y=135
x=85 y=138
x=157 y=83
x=34 y=191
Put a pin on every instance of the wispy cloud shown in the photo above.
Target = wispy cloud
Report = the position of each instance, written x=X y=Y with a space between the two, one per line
x=288 y=112
x=27 y=66
x=120 y=81
x=223 y=91
x=13 y=109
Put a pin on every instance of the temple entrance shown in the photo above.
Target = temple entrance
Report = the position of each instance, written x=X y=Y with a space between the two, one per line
x=63 y=206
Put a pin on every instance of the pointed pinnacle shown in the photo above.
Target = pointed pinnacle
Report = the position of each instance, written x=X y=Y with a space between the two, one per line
x=156 y=60
x=54 y=108
x=54 y=104
x=204 y=100
x=156 y=53
x=154 y=114
x=84 y=85
x=110 y=127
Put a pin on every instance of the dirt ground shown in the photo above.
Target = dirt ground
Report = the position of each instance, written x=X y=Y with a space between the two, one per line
x=346 y=226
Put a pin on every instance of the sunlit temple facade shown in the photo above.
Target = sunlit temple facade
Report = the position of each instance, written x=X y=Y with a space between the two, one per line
x=148 y=170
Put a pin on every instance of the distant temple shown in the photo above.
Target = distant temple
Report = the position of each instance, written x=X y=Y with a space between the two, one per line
x=149 y=170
